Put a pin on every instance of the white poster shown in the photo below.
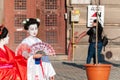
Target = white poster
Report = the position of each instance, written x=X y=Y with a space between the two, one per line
x=80 y=1
x=75 y=15
x=92 y=14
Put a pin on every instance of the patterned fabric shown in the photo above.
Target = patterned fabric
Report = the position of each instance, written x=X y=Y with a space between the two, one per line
x=12 y=67
x=23 y=47
x=42 y=46
x=42 y=71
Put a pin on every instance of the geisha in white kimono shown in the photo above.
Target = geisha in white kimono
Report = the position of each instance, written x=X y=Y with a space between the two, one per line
x=35 y=71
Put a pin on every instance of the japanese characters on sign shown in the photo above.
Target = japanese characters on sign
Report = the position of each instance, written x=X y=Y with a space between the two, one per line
x=92 y=14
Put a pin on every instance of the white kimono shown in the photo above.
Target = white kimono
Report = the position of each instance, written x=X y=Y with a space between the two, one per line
x=35 y=71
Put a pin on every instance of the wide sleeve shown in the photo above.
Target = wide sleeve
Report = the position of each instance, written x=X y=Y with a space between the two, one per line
x=23 y=49
x=13 y=67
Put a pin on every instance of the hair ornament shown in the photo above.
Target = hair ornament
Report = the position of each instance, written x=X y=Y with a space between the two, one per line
x=24 y=22
x=38 y=20
x=27 y=20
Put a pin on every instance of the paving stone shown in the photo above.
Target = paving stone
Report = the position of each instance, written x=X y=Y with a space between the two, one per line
x=68 y=70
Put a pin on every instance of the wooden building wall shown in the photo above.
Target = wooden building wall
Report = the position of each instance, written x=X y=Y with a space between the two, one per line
x=111 y=28
x=51 y=13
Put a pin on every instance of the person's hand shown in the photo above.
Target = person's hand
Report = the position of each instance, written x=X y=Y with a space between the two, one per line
x=25 y=54
x=37 y=56
x=51 y=54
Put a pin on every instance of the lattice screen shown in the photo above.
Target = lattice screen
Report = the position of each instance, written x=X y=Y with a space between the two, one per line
x=19 y=36
x=51 y=36
x=18 y=20
x=20 y=4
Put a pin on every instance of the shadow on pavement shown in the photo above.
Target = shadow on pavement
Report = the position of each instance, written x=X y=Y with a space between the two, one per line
x=109 y=55
x=74 y=65
x=112 y=63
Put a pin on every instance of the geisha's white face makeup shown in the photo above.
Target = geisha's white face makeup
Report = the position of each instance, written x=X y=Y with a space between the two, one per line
x=33 y=30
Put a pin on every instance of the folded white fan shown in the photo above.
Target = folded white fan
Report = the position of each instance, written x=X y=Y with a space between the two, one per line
x=42 y=46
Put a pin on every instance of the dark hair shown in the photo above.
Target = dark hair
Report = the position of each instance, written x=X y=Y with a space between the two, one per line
x=3 y=32
x=95 y=20
x=30 y=21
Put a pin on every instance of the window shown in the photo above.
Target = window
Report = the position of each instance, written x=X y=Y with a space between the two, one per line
x=20 y=4
x=19 y=36
x=51 y=37
x=50 y=4
x=51 y=19
x=18 y=19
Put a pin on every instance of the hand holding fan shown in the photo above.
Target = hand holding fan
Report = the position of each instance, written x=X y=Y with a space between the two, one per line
x=42 y=46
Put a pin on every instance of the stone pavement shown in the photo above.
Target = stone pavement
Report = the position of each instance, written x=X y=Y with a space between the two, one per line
x=69 y=70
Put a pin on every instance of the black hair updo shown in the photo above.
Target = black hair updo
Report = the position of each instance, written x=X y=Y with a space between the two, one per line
x=30 y=21
x=3 y=31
